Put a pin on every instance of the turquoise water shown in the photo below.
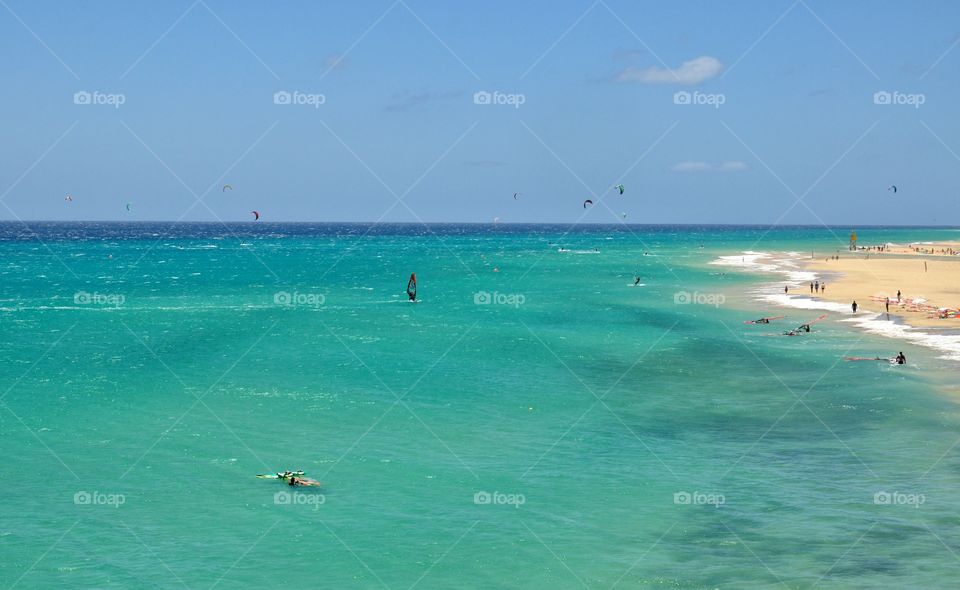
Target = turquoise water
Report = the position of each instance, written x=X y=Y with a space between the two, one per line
x=151 y=371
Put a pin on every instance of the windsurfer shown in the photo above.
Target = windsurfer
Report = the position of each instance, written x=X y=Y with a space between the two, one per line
x=412 y=287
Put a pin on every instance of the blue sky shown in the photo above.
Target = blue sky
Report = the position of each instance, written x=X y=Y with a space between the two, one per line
x=597 y=82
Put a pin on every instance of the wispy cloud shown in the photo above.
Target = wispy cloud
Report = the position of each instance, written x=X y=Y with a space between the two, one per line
x=336 y=61
x=697 y=166
x=404 y=101
x=689 y=73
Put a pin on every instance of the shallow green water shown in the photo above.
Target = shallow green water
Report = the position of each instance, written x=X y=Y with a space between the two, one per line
x=585 y=410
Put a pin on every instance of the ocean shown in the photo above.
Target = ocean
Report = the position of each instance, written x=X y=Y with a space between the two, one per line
x=534 y=421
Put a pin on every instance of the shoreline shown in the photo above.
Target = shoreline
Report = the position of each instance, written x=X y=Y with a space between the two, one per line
x=798 y=270
x=928 y=284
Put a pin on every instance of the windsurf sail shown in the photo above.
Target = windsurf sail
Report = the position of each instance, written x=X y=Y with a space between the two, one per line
x=765 y=320
x=412 y=287
x=587 y=202
x=281 y=475
x=305 y=481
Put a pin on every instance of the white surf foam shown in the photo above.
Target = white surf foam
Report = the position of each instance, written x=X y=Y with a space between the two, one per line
x=787 y=264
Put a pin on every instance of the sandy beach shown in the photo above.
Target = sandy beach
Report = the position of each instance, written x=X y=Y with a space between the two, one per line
x=927 y=282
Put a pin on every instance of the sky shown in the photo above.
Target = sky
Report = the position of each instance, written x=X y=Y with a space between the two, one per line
x=762 y=112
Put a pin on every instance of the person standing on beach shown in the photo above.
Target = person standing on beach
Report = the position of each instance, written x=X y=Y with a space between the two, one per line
x=785 y=289
x=898 y=295
x=853 y=306
x=823 y=288
x=811 y=287
x=887 y=303
x=816 y=286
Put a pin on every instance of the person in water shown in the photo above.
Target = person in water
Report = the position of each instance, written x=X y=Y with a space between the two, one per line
x=853 y=306
x=636 y=282
x=901 y=359
x=762 y=321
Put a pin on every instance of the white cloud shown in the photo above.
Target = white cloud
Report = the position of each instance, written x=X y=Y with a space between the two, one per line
x=689 y=73
x=695 y=166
